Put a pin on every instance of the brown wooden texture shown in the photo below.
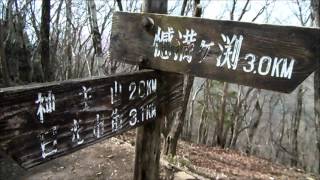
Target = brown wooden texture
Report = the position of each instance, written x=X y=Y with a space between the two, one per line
x=22 y=132
x=263 y=56
x=148 y=138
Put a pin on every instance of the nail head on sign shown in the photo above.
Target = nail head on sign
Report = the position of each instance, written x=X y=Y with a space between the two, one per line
x=148 y=23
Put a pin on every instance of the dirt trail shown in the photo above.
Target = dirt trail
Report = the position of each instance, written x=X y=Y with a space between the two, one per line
x=109 y=159
x=113 y=158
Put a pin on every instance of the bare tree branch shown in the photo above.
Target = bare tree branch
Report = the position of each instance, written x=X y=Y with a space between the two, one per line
x=184 y=5
x=232 y=9
x=120 y=5
x=261 y=11
x=244 y=10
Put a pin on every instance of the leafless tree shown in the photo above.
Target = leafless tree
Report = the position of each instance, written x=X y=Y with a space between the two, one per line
x=315 y=15
x=254 y=121
x=240 y=109
x=176 y=129
x=95 y=34
x=45 y=41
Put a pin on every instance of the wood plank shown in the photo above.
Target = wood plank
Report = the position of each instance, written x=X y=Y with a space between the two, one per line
x=264 y=56
x=77 y=113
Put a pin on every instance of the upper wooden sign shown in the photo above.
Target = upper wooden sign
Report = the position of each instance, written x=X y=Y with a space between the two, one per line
x=263 y=56
x=44 y=121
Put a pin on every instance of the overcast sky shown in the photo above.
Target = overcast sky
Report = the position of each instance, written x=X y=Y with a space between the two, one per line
x=279 y=11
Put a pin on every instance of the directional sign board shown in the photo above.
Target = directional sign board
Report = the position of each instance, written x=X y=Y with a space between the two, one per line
x=263 y=56
x=44 y=121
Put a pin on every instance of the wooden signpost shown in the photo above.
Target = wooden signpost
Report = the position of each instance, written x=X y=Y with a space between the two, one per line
x=44 y=121
x=263 y=56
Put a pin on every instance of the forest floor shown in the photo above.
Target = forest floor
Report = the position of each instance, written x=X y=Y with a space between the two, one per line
x=113 y=159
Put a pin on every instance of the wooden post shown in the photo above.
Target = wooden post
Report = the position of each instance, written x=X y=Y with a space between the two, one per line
x=146 y=165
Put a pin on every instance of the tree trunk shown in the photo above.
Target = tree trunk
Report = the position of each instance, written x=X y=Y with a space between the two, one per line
x=235 y=120
x=54 y=44
x=255 y=120
x=23 y=53
x=203 y=125
x=185 y=134
x=295 y=128
x=146 y=165
x=4 y=65
x=282 y=130
x=119 y=5
x=183 y=9
x=176 y=129
x=44 y=41
x=202 y=130
x=6 y=25
x=172 y=139
x=220 y=124
x=69 y=39
x=315 y=5
x=191 y=111
x=95 y=33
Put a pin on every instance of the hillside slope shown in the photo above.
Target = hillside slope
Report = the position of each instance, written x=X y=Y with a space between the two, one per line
x=113 y=159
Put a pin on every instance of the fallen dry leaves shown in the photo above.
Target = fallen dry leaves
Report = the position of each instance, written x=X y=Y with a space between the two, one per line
x=235 y=165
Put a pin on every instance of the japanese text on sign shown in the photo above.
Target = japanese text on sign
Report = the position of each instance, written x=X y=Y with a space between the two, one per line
x=135 y=91
x=176 y=45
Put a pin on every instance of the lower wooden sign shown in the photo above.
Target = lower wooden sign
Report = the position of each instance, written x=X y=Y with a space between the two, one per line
x=44 y=121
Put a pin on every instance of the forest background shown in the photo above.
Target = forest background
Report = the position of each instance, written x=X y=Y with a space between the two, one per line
x=55 y=40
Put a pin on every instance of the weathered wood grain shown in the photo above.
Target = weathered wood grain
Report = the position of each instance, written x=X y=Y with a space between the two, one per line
x=21 y=128
x=133 y=37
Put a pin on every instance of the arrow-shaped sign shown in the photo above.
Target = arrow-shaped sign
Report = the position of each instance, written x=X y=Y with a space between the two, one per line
x=43 y=121
x=263 y=56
